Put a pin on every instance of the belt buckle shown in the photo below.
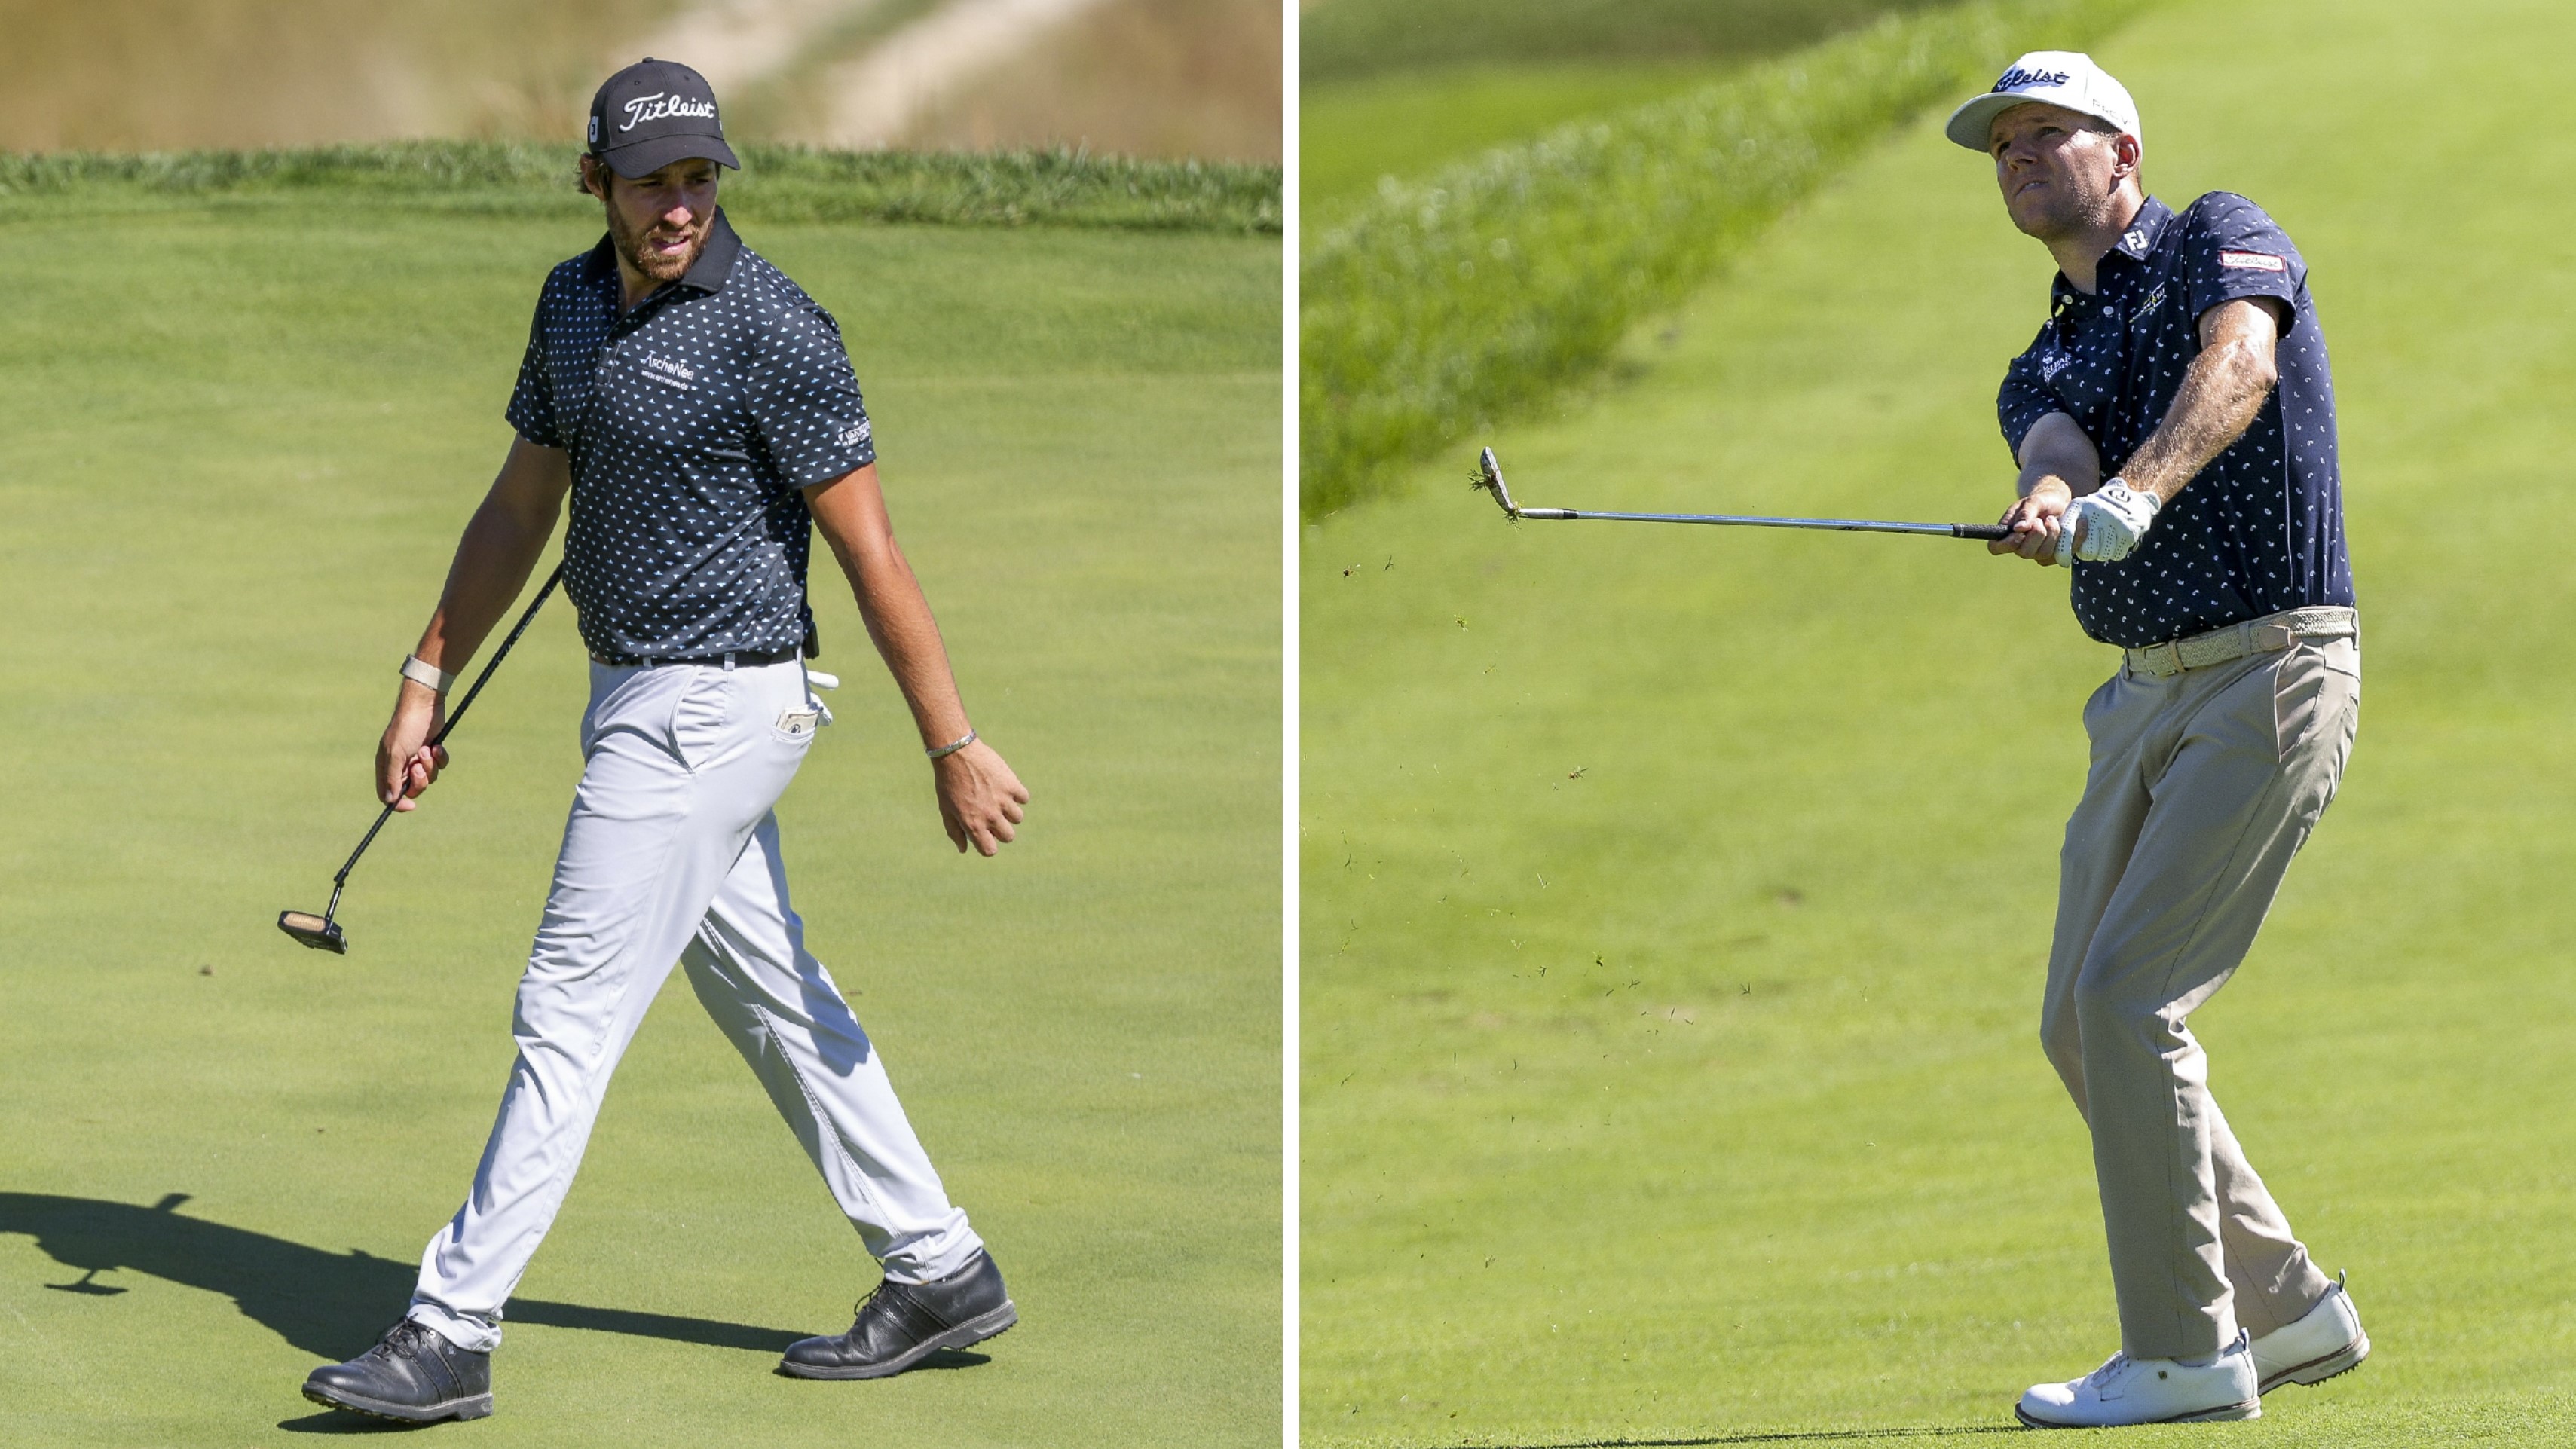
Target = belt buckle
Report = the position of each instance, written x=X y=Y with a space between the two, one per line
x=2161 y=660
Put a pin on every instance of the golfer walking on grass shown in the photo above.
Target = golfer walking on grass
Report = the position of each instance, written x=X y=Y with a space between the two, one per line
x=700 y=412
x=2174 y=424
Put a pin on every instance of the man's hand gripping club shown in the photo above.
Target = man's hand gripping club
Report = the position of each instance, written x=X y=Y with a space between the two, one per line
x=492 y=563
x=2066 y=512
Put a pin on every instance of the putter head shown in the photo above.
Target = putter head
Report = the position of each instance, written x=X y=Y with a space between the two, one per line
x=319 y=932
x=1489 y=477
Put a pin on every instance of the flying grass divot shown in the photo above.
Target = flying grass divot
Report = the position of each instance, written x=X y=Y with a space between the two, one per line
x=1489 y=479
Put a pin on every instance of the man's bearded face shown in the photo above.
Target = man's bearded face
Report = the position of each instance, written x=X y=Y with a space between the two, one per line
x=659 y=223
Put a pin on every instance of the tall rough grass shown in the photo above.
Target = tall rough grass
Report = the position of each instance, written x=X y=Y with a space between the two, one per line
x=778 y=183
x=1476 y=292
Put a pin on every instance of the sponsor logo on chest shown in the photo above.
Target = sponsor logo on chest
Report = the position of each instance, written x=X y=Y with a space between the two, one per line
x=670 y=373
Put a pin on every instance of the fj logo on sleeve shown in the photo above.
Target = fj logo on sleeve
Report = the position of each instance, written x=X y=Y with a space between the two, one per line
x=2253 y=262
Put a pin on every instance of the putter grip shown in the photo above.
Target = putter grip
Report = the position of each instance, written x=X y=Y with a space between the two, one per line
x=1986 y=531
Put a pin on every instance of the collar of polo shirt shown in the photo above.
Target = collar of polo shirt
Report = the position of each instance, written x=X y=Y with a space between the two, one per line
x=2140 y=237
x=706 y=274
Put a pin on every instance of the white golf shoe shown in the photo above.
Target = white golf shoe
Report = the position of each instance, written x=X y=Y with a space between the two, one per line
x=2327 y=1340
x=2149 y=1391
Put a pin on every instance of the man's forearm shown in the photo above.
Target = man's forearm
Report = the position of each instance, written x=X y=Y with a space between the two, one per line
x=492 y=563
x=2058 y=453
x=2221 y=394
x=900 y=624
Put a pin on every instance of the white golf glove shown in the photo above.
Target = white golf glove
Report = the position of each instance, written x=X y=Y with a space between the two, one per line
x=2115 y=518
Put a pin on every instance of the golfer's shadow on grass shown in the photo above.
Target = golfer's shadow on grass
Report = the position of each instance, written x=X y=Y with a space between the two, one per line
x=331 y=1305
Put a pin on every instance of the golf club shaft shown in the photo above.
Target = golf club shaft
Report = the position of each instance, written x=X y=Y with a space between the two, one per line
x=449 y=727
x=1836 y=525
x=1489 y=477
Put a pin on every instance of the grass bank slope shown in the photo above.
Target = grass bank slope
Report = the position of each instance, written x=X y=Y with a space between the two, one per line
x=1676 y=903
x=1476 y=293
x=244 y=442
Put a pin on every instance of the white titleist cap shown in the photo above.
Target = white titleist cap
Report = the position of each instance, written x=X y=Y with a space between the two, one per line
x=2051 y=77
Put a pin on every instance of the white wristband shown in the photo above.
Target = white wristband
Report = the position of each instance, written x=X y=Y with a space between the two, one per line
x=425 y=674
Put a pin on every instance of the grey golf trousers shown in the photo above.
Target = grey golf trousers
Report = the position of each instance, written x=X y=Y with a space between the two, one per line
x=671 y=856
x=2203 y=785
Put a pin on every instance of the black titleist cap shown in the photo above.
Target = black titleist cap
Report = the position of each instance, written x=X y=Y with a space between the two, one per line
x=653 y=113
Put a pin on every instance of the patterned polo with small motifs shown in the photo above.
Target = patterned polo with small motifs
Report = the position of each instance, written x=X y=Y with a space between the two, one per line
x=2260 y=529
x=692 y=422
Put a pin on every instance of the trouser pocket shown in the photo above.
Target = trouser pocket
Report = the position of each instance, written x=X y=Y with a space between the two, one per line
x=2316 y=691
x=702 y=717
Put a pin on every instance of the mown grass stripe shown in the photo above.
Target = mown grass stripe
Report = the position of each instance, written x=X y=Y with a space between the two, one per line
x=778 y=183
x=1347 y=39
x=1485 y=287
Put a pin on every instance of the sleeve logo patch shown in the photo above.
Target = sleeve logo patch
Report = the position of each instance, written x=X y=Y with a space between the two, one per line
x=852 y=437
x=2253 y=262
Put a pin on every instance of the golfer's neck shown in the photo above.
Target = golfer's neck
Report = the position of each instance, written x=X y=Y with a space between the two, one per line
x=636 y=286
x=2079 y=253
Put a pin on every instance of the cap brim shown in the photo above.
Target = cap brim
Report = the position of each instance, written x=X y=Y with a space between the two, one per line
x=643 y=158
x=1972 y=125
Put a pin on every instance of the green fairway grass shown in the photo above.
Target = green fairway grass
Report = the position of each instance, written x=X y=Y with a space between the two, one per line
x=244 y=436
x=1343 y=39
x=1676 y=901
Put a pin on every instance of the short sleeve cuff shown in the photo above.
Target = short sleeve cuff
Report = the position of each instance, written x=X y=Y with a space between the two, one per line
x=822 y=467
x=531 y=428
x=2019 y=409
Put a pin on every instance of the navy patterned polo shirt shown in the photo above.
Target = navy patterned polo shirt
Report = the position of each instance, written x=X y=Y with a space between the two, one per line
x=692 y=422
x=2260 y=529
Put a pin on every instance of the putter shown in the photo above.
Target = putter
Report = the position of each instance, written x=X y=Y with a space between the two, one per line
x=323 y=933
x=1489 y=478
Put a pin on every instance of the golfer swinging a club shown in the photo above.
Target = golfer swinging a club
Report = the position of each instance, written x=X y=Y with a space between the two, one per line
x=700 y=411
x=2174 y=426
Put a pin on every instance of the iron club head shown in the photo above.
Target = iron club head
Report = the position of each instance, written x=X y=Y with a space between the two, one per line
x=319 y=932
x=1489 y=477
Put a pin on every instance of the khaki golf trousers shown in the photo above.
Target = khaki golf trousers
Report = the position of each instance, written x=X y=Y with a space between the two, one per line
x=2203 y=784
x=671 y=857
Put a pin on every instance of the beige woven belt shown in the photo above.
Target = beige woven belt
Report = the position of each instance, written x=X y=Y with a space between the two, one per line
x=2269 y=634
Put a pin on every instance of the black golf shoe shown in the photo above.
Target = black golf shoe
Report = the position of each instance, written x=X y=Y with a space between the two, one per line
x=900 y=1324
x=414 y=1375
